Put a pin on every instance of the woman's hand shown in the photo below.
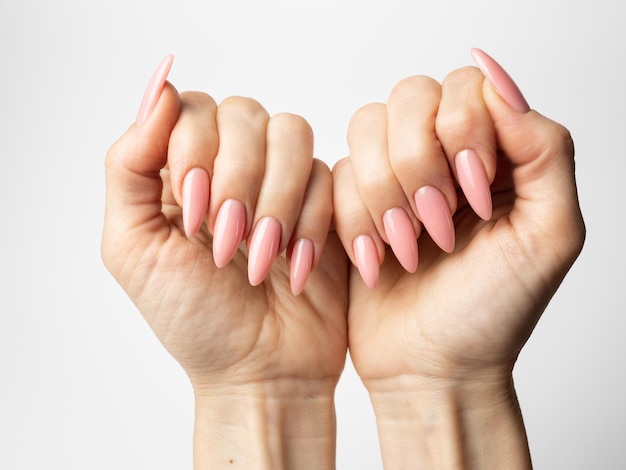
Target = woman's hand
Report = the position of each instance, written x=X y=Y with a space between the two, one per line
x=186 y=185
x=487 y=188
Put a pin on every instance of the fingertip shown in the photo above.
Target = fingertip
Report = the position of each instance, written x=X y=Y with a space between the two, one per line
x=500 y=80
x=366 y=259
x=196 y=192
x=474 y=183
x=154 y=89
x=301 y=264
x=264 y=246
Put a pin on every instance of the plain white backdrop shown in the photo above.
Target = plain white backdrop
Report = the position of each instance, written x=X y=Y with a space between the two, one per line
x=83 y=382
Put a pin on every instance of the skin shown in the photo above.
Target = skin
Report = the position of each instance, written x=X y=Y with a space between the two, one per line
x=243 y=347
x=435 y=347
x=445 y=338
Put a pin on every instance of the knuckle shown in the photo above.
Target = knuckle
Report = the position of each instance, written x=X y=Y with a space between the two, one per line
x=243 y=108
x=463 y=75
x=340 y=169
x=371 y=182
x=459 y=120
x=409 y=86
x=197 y=99
x=291 y=125
x=365 y=117
x=321 y=171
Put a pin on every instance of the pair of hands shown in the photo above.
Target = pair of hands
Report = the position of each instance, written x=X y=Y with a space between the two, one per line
x=472 y=191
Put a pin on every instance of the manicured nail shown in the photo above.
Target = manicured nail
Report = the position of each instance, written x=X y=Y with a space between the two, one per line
x=230 y=225
x=434 y=213
x=196 y=187
x=301 y=264
x=366 y=258
x=473 y=181
x=263 y=249
x=402 y=237
x=153 y=92
x=501 y=81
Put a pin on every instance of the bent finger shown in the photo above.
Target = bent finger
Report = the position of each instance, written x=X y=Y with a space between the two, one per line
x=354 y=225
x=466 y=133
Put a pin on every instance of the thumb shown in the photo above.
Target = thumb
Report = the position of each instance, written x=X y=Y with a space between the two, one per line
x=133 y=182
x=541 y=152
x=134 y=162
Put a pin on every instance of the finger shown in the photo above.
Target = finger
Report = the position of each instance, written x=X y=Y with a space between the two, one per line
x=133 y=182
x=311 y=230
x=546 y=207
x=377 y=185
x=417 y=158
x=192 y=150
x=354 y=225
x=288 y=161
x=237 y=174
x=466 y=133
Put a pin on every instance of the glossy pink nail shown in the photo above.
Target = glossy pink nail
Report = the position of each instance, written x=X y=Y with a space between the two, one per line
x=230 y=225
x=196 y=188
x=473 y=181
x=154 y=90
x=301 y=264
x=501 y=81
x=366 y=259
x=434 y=213
x=402 y=238
x=263 y=249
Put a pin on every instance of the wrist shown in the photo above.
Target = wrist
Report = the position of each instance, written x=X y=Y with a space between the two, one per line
x=449 y=423
x=279 y=424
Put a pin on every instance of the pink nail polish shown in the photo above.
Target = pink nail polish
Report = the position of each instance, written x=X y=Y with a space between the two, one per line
x=366 y=258
x=434 y=213
x=473 y=181
x=230 y=225
x=402 y=237
x=153 y=92
x=301 y=264
x=196 y=187
x=501 y=81
x=263 y=249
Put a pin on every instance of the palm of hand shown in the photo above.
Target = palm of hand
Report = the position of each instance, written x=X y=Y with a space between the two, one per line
x=217 y=325
x=459 y=313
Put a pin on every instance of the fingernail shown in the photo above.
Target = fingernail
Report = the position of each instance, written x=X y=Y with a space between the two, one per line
x=301 y=264
x=473 y=181
x=196 y=187
x=501 y=81
x=230 y=225
x=366 y=258
x=263 y=249
x=153 y=92
x=434 y=213
x=402 y=237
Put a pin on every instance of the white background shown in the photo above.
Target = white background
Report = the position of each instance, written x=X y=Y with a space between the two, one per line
x=83 y=382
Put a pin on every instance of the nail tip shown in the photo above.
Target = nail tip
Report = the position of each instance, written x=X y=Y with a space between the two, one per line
x=502 y=82
x=157 y=81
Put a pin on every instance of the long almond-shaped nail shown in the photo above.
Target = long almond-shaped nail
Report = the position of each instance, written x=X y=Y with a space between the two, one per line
x=434 y=213
x=301 y=264
x=196 y=188
x=153 y=92
x=501 y=81
x=230 y=225
x=366 y=259
x=473 y=181
x=402 y=237
x=263 y=249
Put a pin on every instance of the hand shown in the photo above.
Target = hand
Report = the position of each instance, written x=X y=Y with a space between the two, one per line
x=444 y=332
x=251 y=177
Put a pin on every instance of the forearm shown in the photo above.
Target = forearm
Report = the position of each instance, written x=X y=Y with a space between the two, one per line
x=264 y=426
x=445 y=424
